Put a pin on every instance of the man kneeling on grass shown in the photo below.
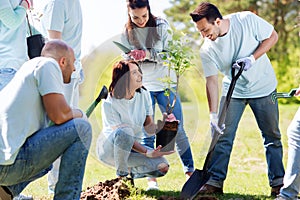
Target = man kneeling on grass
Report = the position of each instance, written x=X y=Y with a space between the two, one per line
x=27 y=146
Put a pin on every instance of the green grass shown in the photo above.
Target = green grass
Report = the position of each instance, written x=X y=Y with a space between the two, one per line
x=247 y=174
x=246 y=177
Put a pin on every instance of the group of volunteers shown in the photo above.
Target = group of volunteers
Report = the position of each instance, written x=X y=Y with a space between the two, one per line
x=35 y=92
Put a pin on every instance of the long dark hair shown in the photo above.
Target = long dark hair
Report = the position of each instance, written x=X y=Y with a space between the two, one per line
x=121 y=79
x=152 y=36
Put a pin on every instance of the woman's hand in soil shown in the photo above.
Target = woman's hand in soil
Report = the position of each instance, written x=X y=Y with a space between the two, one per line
x=157 y=153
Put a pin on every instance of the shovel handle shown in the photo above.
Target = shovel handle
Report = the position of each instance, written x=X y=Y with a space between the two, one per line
x=235 y=77
x=222 y=116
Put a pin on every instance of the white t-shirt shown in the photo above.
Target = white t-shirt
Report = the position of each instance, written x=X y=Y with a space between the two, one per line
x=246 y=32
x=21 y=108
x=129 y=113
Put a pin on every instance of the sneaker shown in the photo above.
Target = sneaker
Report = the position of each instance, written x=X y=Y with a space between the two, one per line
x=276 y=190
x=152 y=185
x=23 y=197
x=4 y=195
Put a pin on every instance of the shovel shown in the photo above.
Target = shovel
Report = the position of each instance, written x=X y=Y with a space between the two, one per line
x=199 y=177
x=102 y=95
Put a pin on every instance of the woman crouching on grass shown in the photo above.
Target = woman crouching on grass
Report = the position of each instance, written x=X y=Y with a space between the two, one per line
x=126 y=114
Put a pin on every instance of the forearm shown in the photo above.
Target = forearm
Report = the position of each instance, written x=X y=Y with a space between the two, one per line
x=139 y=148
x=266 y=45
x=54 y=35
x=149 y=125
x=212 y=93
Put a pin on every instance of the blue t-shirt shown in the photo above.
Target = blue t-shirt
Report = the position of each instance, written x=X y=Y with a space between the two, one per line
x=127 y=113
x=22 y=112
x=245 y=33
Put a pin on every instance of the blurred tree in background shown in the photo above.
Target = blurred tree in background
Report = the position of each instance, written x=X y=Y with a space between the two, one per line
x=283 y=14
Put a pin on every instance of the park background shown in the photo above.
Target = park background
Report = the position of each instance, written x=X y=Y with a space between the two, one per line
x=247 y=175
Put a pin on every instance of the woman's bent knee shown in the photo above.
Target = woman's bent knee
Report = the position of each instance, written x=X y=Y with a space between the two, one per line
x=163 y=167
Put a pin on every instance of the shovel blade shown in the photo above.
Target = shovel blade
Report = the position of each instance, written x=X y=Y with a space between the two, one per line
x=191 y=188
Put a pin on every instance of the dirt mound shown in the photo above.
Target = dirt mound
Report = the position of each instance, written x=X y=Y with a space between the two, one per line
x=115 y=189
x=118 y=189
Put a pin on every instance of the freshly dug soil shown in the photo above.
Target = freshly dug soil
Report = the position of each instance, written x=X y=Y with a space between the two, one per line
x=115 y=189
x=118 y=189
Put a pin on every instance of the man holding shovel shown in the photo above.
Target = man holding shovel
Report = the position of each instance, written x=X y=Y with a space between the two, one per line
x=239 y=38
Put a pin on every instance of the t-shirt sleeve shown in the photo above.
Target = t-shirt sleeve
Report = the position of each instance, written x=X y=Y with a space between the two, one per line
x=209 y=67
x=263 y=29
x=53 y=16
x=49 y=78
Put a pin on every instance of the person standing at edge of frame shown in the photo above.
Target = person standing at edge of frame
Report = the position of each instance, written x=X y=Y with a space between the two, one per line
x=147 y=36
x=291 y=180
x=246 y=38
x=62 y=19
x=13 y=46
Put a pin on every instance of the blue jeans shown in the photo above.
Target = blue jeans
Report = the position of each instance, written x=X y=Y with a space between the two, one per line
x=70 y=140
x=116 y=150
x=265 y=110
x=6 y=74
x=182 y=142
x=291 y=180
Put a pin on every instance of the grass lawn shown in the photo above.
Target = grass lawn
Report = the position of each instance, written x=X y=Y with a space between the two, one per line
x=246 y=178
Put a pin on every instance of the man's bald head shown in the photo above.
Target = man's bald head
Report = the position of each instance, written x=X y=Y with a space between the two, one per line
x=56 y=49
x=63 y=54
